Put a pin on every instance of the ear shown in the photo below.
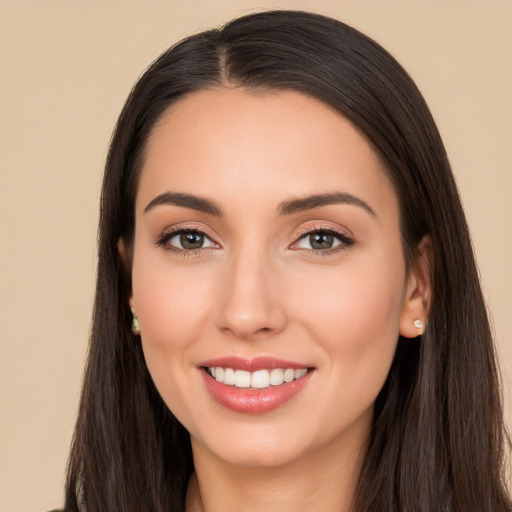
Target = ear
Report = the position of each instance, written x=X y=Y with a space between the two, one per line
x=123 y=253
x=416 y=305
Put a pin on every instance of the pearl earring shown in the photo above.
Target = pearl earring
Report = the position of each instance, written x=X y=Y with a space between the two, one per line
x=419 y=325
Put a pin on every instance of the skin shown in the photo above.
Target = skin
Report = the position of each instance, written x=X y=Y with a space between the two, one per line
x=259 y=288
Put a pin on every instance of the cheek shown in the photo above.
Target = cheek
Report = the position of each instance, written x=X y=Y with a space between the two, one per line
x=354 y=321
x=354 y=315
x=357 y=298
x=171 y=304
x=172 y=310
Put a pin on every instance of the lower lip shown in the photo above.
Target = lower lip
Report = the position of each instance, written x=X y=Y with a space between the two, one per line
x=253 y=400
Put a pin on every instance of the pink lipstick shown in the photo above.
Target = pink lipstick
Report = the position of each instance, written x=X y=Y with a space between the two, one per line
x=254 y=385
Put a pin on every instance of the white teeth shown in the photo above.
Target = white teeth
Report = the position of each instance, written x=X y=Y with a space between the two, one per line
x=219 y=374
x=276 y=377
x=298 y=373
x=229 y=377
x=260 y=379
x=289 y=375
x=242 y=379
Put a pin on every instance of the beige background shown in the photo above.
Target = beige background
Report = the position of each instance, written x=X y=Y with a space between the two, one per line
x=65 y=70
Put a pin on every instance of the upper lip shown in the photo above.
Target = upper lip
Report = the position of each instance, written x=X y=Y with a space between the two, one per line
x=252 y=364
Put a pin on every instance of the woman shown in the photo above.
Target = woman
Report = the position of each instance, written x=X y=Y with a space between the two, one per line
x=288 y=313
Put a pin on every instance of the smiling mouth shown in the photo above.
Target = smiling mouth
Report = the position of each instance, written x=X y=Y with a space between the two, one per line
x=260 y=379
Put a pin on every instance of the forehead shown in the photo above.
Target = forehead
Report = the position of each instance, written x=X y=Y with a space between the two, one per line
x=231 y=144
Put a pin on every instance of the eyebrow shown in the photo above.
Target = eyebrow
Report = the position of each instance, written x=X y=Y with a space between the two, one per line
x=315 y=201
x=185 y=200
x=285 y=208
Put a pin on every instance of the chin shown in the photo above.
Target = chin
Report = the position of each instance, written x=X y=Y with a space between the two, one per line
x=244 y=448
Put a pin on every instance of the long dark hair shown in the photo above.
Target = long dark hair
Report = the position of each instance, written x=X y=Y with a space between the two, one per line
x=437 y=442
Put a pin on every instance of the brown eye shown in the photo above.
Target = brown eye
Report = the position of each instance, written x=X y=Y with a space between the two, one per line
x=187 y=240
x=191 y=240
x=321 y=240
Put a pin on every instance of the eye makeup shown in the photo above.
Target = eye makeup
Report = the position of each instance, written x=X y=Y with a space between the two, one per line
x=322 y=239
x=186 y=240
x=192 y=240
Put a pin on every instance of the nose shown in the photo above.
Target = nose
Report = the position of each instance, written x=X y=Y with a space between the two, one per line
x=250 y=304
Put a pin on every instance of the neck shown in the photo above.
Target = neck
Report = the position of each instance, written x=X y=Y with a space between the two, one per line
x=322 y=481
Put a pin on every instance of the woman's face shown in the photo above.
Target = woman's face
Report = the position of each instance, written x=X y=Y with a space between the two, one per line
x=267 y=246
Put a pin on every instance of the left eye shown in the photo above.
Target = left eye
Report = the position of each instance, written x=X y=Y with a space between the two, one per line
x=189 y=240
x=322 y=240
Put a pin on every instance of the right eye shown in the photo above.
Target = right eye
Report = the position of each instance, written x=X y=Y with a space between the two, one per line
x=185 y=240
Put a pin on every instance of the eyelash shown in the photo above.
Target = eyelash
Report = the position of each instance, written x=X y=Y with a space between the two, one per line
x=343 y=238
x=163 y=240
